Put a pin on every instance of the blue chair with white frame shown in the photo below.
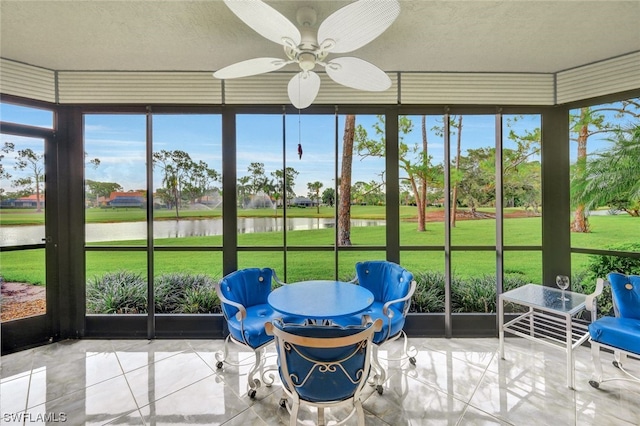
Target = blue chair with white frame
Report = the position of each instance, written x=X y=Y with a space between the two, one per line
x=243 y=299
x=323 y=365
x=620 y=333
x=392 y=287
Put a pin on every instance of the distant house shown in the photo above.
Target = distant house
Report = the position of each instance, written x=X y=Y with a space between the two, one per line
x=8 y=203
x=126 y=199
x=29 y=202
x=303 y=202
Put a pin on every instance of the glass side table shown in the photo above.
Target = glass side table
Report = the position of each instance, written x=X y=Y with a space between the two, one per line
x=549 y=320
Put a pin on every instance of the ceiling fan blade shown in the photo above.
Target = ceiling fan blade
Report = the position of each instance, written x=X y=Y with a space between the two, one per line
x=358 y=74
x=265 y=20
x=303 y=89
x=250 y=67
x=358 y=23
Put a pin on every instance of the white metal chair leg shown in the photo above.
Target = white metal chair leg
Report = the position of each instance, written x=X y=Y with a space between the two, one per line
x=257 y=366
x=597 y=366
x=380 y=374
x=408 y=352
x=221 y=356
x=360 y=413
x=619 y=358
x=293 y=414
x=320 y=416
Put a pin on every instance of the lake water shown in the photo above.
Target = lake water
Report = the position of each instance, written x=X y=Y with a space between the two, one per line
x=98 y=232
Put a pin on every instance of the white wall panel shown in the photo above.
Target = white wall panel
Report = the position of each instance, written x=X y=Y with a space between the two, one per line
x=602 y=78
x=27 y=81
x=476 y=89
x=259 y=90
x=139 y=87
x=607 y=77
x=272 y=89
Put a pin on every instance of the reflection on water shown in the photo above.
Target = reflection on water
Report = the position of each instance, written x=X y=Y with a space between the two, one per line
x=97 y=232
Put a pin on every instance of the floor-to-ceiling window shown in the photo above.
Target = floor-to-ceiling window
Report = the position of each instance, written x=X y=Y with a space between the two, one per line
x=153 y=216
x=187 y=212
x=361 y=192
x=313 y=173
x=115 y=213
x=422 y=212
x=176 y=243
x=521 y=200
x=28 y=231
x=309 y=187
x=299 y=175
x=605 y=192
x=492 y=227
x=259 y=212
x=472 y=218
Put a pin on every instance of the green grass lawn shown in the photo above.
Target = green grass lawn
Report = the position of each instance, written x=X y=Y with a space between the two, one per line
x=28 y=265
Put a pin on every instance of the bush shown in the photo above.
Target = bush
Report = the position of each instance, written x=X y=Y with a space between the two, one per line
x=185 y=293
x=121 y=292
x=125 y=292
x=600 y=265
x=475 y=294
x=429 y=294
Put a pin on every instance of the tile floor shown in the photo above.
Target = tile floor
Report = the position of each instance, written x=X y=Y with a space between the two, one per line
x=455 y=382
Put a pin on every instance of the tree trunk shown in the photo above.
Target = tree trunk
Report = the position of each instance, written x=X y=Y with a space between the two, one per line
x=344 y=208
x=422 y=202
x=580 y=222
x=175 y=199
x=454 y=196
x=414 y=187
x=38 y=205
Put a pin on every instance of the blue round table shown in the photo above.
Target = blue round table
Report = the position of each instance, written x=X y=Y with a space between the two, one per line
x=320 y=299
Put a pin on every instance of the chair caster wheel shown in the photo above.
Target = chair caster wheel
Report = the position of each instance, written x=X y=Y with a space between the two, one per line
x=594 y=384
x=219 y=364
x=412 y=360
x=379 y=389
x=252 y=393
x=283 y=402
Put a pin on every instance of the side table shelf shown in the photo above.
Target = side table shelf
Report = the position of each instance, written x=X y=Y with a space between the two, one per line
x=551 y=319
x=548 y=329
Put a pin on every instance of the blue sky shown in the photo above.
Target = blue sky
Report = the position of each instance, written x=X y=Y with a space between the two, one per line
x=119 y=142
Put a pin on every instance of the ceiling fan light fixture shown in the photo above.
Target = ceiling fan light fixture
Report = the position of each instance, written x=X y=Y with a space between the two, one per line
x=307 y=61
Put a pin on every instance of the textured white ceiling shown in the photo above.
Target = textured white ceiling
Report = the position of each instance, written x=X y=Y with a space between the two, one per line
x=194 y=35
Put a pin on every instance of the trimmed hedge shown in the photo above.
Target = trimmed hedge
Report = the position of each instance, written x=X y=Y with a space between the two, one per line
x=125 y=292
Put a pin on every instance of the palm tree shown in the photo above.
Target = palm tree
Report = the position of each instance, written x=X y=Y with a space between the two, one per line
x=612 y=178
x=314 y=192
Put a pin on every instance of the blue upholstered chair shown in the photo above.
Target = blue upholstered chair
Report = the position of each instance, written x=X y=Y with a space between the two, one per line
x=392 y=287
x=243 y=296
x=323 y=365
x=620 y=333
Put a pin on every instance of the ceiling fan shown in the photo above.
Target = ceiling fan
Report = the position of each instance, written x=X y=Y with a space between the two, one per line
x=346 y=30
